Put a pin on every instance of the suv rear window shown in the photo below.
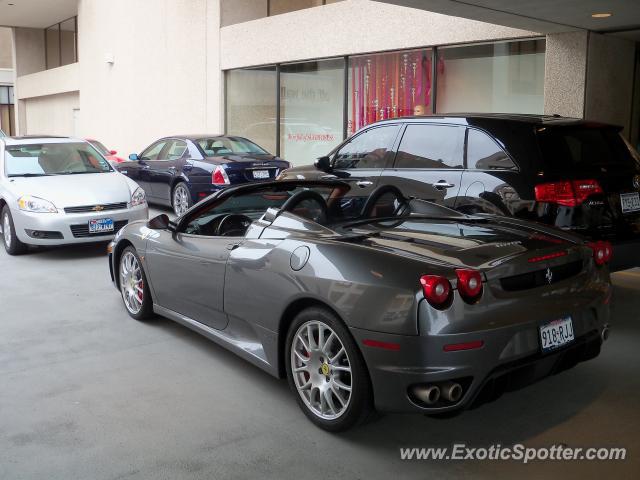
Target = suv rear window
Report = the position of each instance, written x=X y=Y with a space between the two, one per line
x=583 y=148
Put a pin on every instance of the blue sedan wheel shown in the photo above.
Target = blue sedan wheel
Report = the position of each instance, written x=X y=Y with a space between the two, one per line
x=181 y=200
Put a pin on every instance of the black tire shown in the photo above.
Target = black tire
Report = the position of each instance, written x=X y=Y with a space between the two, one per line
x=14 y=246
x=145 y=311
x=359 y=408
x=189 y=201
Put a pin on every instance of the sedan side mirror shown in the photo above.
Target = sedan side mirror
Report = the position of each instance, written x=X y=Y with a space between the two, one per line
x=133 y=157
x=112 y=152
x=323 y=163
x=161 y=222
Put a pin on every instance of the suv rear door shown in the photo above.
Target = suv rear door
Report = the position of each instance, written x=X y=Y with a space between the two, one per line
x=491 y=181
x=429 y=162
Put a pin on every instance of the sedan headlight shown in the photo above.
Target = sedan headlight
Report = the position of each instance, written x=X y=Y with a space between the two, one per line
x=36 y=205
x=138 y=197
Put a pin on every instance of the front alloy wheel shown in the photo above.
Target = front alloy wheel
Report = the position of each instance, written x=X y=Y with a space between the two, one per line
x=12 y=243
x=327 y=371
x=133 y=285
x=181 y=199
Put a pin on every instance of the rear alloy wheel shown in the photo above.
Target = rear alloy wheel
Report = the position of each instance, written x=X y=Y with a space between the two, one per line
x=133 y=286
x=12 y=243
x=327 y=371
x=181 y=199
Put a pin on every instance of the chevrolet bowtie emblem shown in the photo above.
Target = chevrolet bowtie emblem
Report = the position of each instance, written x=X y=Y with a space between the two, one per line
x=98 y=208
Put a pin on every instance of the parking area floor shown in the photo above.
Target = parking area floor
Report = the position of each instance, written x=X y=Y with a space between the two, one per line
x=88 y=393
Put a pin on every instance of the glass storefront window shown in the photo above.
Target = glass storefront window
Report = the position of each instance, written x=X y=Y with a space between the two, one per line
x=311 y=108
x=251 y=105
x=505 y=77
x=388 y=85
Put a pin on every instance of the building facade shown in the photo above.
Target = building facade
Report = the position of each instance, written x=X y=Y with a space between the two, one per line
x=7 y=109
x=298 y=76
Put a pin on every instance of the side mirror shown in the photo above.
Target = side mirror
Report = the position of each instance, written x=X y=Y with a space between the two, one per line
x=112 y=152
x=134 y=157
x=323 y=163
x=161 y=222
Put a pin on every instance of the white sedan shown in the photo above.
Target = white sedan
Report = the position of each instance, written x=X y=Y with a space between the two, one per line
x=57 y=191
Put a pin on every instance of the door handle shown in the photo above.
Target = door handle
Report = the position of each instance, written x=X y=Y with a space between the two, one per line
x=443 y=184
x=232 y=246
x=364 y=183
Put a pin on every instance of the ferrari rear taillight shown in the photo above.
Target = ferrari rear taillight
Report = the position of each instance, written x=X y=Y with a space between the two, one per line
x=568 y=193
x=602 y=252
x=469 y=284
x=436 y=289
x=219 y=176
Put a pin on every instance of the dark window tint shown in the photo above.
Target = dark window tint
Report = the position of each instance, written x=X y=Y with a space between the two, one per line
x=431 y=146
x=153 y=151
x=368 y=149
x=588 y=149
x=483 y=153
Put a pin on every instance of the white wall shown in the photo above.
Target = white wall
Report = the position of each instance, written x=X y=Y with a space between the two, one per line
x=165 y=78
x=348 y=27
x=50 y=115
x=49 y=82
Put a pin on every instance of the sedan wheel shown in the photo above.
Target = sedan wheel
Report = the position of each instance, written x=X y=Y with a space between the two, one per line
x=181 y=199
x=327 y=371
x=133 y=285
x=12 y=243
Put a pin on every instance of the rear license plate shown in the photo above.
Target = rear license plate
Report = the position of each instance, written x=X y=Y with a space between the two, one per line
x=630 y=202
x=556 y=334
x=261 y=174
x=101 y=225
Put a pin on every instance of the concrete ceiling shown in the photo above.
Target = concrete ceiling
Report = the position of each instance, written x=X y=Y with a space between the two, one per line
x=36 y=13
x=543 y=16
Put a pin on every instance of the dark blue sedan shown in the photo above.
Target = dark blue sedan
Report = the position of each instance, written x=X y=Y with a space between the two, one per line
x=182 y=170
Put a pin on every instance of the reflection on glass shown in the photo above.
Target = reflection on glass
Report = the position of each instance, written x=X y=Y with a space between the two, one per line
x=251 y=105
x=52 y=38
x=388 y=85
x=68 y=41
x=311 y=102
x=505 y=77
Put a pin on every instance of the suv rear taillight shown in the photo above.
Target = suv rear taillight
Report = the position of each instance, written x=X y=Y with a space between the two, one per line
x=469 y=284
x=568 y=193
x=219 y=176
x=437 y=290
x=602 y=252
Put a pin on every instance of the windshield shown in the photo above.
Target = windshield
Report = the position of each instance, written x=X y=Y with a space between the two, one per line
x=43 y=159
x=100 y=147
x=217 y=146
x=566 y=149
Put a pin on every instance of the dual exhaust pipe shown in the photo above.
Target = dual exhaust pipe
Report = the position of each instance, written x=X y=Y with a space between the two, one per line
x=430 y=394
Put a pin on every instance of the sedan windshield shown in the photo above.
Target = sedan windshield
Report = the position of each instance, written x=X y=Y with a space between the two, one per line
x=217 y=146
x=34 y=160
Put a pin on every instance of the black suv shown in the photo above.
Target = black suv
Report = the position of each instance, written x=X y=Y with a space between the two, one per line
x=574 y=174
